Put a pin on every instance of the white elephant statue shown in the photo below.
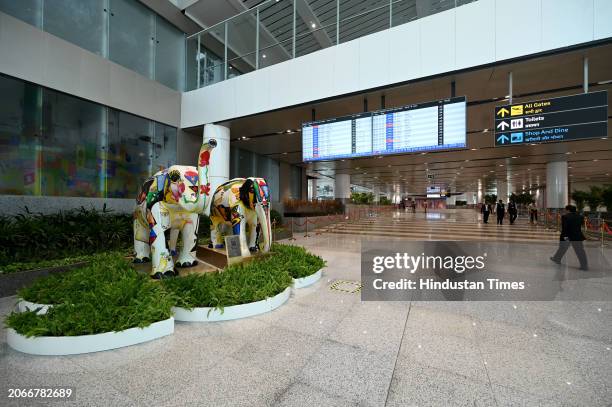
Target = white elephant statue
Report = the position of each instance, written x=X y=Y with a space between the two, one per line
x=171 y=199
x=244 y=205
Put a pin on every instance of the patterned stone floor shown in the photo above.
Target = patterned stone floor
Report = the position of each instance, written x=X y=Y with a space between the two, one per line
x=326 y=347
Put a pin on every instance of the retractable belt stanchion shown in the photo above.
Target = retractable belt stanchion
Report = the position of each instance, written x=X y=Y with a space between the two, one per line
x=292 y=238
x=306 y=223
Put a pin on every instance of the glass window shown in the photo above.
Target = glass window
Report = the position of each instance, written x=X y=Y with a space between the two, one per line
x=191 y=61
x=29 y=11
x=169 y=54
x=73 y=130
x=164 y=147
x=130 y=153
x=81 y=22
x=315 y=26
x=20 y=126
x=212 y=51
x=132 y=36
x=358 y=19
x=296 y=182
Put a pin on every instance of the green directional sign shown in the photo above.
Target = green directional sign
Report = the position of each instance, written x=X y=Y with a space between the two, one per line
x=564 y=118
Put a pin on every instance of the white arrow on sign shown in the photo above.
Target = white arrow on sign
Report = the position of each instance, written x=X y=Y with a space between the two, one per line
x=502 y=125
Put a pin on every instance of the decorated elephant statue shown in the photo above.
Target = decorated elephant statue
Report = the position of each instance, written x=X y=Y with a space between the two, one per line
x=244 y=205
x=171 y=199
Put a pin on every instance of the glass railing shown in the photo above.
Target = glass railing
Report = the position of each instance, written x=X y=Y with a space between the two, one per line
x=278 y=30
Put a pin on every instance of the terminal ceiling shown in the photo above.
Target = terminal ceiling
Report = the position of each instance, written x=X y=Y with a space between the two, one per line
x=277 y=134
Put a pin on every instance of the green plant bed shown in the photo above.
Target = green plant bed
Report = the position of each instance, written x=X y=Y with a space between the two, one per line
x=106 y=296
x=238 y=284
x=297 y=261
x=66 y=261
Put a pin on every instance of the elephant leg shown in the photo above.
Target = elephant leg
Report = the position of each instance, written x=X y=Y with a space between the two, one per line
x=174 y=233
x=163 y=266
x=189 y=238
x=239 y=227
x=251 y=220
x=216 y=235
x=142 y=249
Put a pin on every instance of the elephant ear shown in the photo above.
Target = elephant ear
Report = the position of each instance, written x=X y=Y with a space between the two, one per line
x=244 y=192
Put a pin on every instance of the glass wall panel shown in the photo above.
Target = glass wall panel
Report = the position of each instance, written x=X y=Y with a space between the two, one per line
x=241 y=41
x=169 y=54
x=191 y=64
x=275 y=32
x=360 y=18
x=20 y=129
x=245 y=163
x=73 y=130
x=211 y=56
x=296 y=182
x=132 y=28
x=164 y=147
x=81 y=22
x=29 y=11
x=315 y=25
x=130 y=153
x=403 y=11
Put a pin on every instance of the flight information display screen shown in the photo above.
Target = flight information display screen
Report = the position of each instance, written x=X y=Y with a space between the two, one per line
x=415 y=128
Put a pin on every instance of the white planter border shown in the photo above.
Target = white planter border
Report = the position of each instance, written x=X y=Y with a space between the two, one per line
x=73 y=345
x=308 y=280
x=25 y=305
x=209 y=314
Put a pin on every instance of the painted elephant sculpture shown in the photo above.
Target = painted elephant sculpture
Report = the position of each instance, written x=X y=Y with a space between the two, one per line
x=171 y=199
x=242 y=204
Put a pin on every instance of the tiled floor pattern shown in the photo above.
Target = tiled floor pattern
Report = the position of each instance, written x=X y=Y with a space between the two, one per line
x=327 y=348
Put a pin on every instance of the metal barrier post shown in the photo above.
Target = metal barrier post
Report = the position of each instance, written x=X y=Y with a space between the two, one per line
x=306 y=235
x=292 y=238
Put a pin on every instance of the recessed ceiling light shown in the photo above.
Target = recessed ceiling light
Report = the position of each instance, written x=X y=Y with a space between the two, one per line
x=313 y=25
x=285 y=153
x=485 y=130
x=263 y=55
x=473 y=149
x=514 y=156
x=595 y=160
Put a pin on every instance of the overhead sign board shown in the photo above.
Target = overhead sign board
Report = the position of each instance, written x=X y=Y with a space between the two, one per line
x=436 y=125
x=564 y=118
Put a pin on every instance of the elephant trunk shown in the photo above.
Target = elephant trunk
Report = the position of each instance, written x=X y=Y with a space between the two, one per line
x=203 y=162
x=263 y=216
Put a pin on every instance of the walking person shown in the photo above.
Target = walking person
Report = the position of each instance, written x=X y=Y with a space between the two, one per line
x=486 y=211
x=512 y=211
x=533 y=213
x=571 y=234
x=500 y=210
x=414 y=206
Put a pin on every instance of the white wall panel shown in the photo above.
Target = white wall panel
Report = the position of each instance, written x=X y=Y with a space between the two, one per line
x=603 y=19
x=478 y=33
x=405 y=54
x=373 y=57
x=475 y=43
x=566 y=22
x=345 y=66
x=438 y=43
x=518 y=28
x=39 y=57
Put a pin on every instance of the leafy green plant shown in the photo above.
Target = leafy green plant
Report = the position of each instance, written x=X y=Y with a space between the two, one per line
x=606 y=197
x=238 y=284
x=34 y=237
x=106 y=296
x=362 y=198
x=43 y=264
x=297 y=261
x=580 y=198
x=490 y=198
x=384 y=201
x=594 y=197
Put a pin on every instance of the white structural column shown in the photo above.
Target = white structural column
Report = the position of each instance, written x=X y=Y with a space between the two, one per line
x=556 y=184
x=219 y=168
x=502 y=190
x=342 y=186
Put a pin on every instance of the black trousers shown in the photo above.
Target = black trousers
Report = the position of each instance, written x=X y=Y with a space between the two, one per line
x=485 y=217
x=533 y=216
x=500 y=219
x=578 y=249
x=513 y=216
